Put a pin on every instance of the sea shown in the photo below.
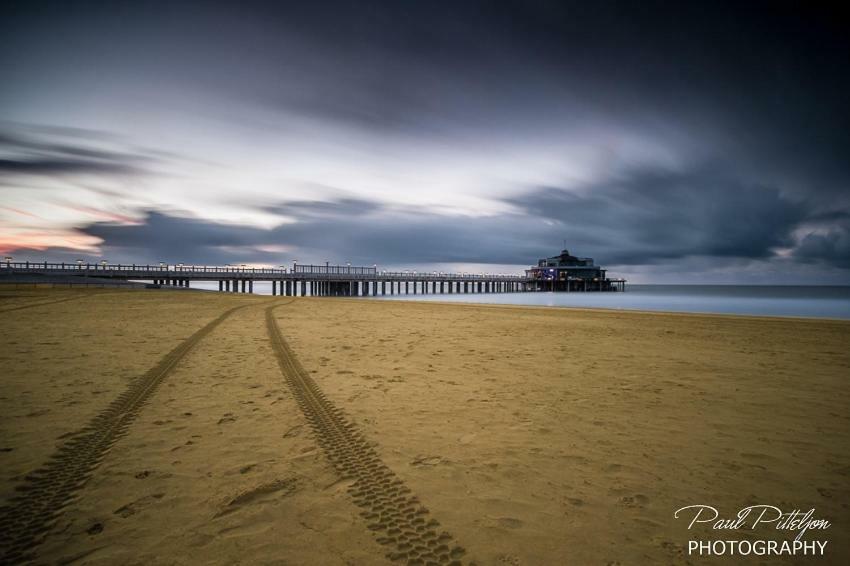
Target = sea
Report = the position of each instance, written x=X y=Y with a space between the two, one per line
x=760 y=300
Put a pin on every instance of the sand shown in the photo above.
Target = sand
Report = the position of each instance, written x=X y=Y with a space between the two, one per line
x=532 y=435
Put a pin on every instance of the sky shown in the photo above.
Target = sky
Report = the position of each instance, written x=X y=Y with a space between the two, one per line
x=672 y=142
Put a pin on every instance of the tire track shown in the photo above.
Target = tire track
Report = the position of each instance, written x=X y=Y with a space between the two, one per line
x=28 y=517
x=44 y=303
x=388 y=505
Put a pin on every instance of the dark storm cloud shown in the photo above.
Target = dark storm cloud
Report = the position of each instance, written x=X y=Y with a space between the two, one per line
x=59 y=166
x=831 y=247
x=650 y=215
x=761 y=86
x=49 y=155
x=644 y=217
x=758 y=90
x=162 y=237
x=323 y=232
x=341 y=208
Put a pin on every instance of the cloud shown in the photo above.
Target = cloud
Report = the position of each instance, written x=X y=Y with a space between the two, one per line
x=642 y=217
x=649 y=215
x=578 y=105
x=338 y=208
x=832 y=247
x=48 y=153
x=62 y=166
x=165 y=237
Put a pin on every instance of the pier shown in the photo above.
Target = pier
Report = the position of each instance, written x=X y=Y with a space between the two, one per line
x=299 y=280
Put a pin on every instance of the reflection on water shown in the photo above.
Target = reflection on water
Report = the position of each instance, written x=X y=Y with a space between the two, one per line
x=833 y=302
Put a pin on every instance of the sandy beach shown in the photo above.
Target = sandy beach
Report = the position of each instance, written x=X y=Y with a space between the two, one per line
x=346 y=431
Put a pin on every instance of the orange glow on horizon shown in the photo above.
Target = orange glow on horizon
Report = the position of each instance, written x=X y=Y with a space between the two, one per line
x=43 y=240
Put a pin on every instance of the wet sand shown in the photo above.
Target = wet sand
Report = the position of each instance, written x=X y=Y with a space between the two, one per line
x=532 y=435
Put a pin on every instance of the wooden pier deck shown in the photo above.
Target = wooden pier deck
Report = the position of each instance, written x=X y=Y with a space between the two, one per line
x=299 y=280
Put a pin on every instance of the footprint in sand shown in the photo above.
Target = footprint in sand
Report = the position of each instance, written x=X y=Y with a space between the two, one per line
x=426 y=461
x=293 y=431
x=673 y=548
x=278 y=488
x=634 y=501
x=227 y=418
x=825 y=493
x=509 y=523
x=138 y=505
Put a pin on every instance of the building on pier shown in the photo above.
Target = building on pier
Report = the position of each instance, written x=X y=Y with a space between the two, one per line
x=566 y=272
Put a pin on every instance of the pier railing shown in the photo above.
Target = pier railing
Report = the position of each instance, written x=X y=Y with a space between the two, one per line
x=144 y=271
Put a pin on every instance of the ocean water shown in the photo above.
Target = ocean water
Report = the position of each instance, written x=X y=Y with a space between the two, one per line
x=808 y=301
x=805 y=301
